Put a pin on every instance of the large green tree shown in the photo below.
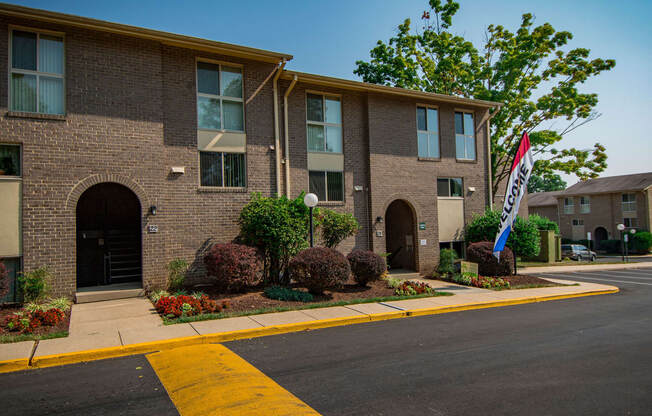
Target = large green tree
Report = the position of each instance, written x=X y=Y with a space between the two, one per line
x=546 y=183
x=530 y=71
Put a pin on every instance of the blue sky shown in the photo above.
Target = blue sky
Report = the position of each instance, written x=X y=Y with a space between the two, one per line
x=328 y=37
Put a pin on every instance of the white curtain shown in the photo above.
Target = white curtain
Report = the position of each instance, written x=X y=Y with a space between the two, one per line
x=50 y=55
x=23 y=92
x=50 y=95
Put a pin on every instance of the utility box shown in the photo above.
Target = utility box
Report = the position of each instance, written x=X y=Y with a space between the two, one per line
x=463 y=266
x=550 y=247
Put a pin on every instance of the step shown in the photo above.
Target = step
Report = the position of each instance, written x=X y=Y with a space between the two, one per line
x=109 y=292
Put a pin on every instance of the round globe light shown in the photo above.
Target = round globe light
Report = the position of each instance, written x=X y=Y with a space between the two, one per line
x=310 y=200
x=620 y=227
x=632 y=231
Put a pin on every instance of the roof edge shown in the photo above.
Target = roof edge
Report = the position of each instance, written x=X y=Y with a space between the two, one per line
x=384 y=89
x=163 y=37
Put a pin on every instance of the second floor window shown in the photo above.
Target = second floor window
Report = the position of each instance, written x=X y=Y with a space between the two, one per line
x=36 y=79
x=447 y=187
x=219 y=97
x=585 y=205
x=630 y=222
x=464 y=136
x=324 y=123
x=569 y=206
x=427 y=132
x=629 y=202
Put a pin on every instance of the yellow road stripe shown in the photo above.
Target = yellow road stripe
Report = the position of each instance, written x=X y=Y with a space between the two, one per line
x=210 y=379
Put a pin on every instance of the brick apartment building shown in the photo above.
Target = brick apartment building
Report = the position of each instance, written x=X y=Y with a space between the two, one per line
x=122 y=148
x=598 y=206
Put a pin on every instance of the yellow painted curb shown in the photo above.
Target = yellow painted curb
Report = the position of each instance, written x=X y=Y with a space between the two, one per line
x=154 y=346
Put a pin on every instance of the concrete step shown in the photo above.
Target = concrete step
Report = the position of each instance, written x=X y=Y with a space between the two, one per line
x=109 y=292
x=403 y=274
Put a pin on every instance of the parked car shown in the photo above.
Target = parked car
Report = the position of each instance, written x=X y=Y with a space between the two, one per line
x=577 y=252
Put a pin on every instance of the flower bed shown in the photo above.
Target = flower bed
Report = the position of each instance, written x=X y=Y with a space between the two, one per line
x=499 y=283
x=19 y=324
x=255 y=301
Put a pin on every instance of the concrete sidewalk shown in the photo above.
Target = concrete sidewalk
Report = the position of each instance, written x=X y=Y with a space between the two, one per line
x=582 y=267
x=134 y=323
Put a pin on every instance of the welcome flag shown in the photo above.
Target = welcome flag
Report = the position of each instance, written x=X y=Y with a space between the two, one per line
x=520 y=174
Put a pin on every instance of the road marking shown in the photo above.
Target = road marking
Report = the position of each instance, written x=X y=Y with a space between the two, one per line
x=622 y=275
x=210 y=379
x=567 y=277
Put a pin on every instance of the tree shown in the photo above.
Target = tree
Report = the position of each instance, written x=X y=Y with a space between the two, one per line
x=523 y=239
x=546 y=183
x=335 y=227
x=529 y=71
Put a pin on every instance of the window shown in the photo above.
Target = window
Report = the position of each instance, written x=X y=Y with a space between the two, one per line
x=569 y=206
x=464 y=136
x=324 y=122
x=427 y=132
x=13 y=271
x=447 y=187
x=36 y=79
x=578 y=222
x=629 y=202
x=585 y=205
x=222 y=169
x=9 y=160
x=630 y=222
x=219 y=97
x=328 y=186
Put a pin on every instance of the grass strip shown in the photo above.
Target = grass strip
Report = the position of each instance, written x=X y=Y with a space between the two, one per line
x=5 y=339
x=221 y=315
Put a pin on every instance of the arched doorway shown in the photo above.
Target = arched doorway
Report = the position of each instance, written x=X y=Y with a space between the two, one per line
x=600 y=235
x=108 y=236
x=400 y=235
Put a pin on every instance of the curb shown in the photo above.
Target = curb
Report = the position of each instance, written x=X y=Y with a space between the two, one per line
x=583 y=268
x=148 y=347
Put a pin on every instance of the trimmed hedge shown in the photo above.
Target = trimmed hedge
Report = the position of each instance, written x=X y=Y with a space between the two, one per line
x=234 y=267
x=319 y=268
x=610 y=246
x=488 y=265
x=543 y=223
x=287 y=294
x=641 y=242
x=366 y=266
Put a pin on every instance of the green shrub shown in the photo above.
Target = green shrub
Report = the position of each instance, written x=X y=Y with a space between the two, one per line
x=335 y=227
x=523 y=239
x=393 y=282
x=611 y=246
x=35 y=284
x=177 y=270
x=641 y=242
x=410 y=288
x=543 y=223
x=278 y=227
x=61 y=303
x=366 y=266
x=287 y=294
x=158 y=294
x=447 y=259
x=319 y=268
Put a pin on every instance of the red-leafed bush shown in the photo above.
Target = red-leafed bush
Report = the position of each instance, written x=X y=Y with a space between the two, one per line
x=20 y=322
x=234 y=267
x=319 y=268
x=482 y=254
x=4 y=280
x=366 y=266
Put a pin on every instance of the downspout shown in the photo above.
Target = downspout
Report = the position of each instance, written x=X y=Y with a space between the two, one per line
x=277 y=134
x=287 y=135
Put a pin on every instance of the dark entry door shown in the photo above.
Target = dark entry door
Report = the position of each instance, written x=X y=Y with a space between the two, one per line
x=108 y=236
x=400 y=236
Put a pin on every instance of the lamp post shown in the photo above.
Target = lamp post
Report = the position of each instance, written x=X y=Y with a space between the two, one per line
x=632 y=232
x=311 y=201
x=621 y=228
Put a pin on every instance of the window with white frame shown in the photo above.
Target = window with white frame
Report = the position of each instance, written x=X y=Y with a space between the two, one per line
x=328 y=186
x=464 y=136
x=630 y=222
x=585 y=205
x=427 y=132
x=578 y=222
x=629 y=202
x=324 y=123
x=219 y=97
x=10 y=160
x=569 y=205
x=450 y=187
x=37 y=73
x=219 y=169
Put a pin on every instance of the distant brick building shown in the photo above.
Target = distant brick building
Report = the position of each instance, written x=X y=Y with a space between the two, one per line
x=598 y=206
x=122 y=148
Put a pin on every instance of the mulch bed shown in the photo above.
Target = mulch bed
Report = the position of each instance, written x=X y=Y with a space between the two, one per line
x=254 y=299
x=41 y=330
x=519 y=280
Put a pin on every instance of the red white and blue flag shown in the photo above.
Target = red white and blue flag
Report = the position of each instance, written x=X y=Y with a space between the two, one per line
x=520 y=174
